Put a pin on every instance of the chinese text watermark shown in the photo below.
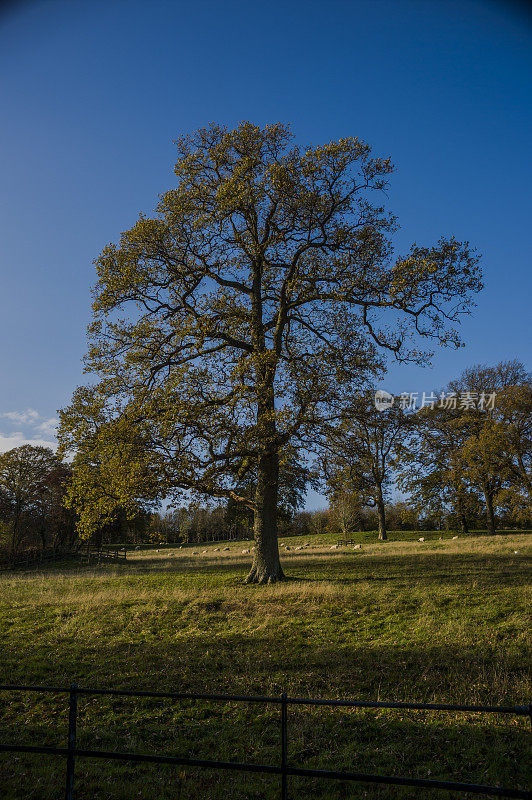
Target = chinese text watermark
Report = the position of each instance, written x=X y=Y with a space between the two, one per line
x=415 y=401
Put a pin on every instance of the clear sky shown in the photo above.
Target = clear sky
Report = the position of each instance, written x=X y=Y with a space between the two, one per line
x=93 y=94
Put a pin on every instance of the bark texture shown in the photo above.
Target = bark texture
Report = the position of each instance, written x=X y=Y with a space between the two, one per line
x=463 y=521
x=266 y=566
x=383 y=536
x=490 y=512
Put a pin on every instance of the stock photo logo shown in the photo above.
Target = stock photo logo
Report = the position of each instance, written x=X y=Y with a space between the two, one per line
x=383 y=400
x=408 y=401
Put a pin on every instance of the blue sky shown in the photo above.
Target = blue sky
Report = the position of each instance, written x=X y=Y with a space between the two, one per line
x=94 y=93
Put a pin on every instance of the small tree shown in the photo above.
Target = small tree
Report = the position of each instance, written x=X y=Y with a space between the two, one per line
x=345 y=507
x=360 y=453
x=245 y=314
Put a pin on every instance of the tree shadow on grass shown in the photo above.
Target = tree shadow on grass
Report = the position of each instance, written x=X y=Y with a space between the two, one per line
x=430 y=569
x=439 y=745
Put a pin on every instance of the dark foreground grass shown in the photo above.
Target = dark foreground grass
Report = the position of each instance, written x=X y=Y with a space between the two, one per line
x=438 y=621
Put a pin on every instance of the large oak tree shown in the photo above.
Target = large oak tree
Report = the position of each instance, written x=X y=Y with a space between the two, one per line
x=242 y=316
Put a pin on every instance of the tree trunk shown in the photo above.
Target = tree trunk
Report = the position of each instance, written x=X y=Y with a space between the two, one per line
x=13 y=538
x=465 y=526
x=42 y=533
x=14 y=532
x=382 y=515
x=266 y=567
x=490 y=513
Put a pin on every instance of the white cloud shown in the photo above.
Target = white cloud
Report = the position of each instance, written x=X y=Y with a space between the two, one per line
x=18 y=439
x=48 y=427
x=30 y=416
x=31 y=428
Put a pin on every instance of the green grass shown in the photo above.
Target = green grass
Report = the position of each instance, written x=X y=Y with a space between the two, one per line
x=442 y=620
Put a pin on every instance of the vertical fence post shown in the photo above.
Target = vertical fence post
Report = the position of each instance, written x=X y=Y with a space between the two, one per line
x=284 y=744
x=72 y=715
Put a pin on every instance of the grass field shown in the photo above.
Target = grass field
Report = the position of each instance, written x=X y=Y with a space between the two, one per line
x=441 y=620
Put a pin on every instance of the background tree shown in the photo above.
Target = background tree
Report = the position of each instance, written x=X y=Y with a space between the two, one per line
x=473 y=446
x=514 y=412
x=489 y=442
x=360 y=453
x=55 y=523
x=245 y=314
x=22 y=472
x=432 y=471
x=319 y=521
x=345 y=508
x=105 y=487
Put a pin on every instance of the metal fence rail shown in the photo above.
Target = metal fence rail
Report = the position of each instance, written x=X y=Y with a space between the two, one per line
x=283 y=769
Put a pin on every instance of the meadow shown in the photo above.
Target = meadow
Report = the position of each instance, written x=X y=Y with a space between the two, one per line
x=444 y=620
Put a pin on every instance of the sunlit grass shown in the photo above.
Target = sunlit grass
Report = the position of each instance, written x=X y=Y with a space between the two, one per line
x=441 y=620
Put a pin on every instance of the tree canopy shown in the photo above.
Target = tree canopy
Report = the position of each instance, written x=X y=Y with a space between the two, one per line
x=467 y=451
x=26 y=475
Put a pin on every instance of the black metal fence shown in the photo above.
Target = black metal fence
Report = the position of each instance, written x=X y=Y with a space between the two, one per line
x=283 y=768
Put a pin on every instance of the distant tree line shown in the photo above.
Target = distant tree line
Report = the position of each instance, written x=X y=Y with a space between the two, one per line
x=461 y=462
